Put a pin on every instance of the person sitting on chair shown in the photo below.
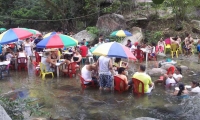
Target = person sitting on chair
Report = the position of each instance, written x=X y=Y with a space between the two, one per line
x=77 y=57
x=122 y=75
x=47 y=61
x=173 y=77
x=161 y=45
x=87 y=73
x=145 y=78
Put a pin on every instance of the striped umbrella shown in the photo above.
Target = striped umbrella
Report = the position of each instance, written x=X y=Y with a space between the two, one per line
x=13 y=34
x=113 y=49
x=36 y=32
x=57 y=41
x=2 y=29
x=121 y=33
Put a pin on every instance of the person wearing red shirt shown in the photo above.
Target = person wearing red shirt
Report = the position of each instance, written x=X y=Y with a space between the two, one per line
x=84 y=50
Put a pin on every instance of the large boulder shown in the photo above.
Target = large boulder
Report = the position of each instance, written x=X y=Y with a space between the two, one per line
x=111 y=22
x=156 y=72
x=84 y=34
x=4 y=115
x=195 y=26
x=137 y=36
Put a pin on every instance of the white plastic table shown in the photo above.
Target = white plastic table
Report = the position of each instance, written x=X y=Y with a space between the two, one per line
x=5 y=63
x=57 y=68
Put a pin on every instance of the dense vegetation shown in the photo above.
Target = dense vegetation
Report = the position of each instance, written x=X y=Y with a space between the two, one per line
x=75 y=15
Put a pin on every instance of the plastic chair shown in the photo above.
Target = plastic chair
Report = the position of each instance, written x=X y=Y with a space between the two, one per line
x=37 y=68
x=180 y=49
x=44 y=72
x=139 y=54
x=70 y=69
x=138 y=86
x=37 y=57
x=117 y=82
x=192 y=49
x=4 y=68
x=167 y=45
x=82 y=80
x=22 y=63
x=174 y=50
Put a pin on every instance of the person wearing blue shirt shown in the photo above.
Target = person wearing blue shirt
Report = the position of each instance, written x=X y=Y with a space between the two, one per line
x=198 y=50
x=37 y=41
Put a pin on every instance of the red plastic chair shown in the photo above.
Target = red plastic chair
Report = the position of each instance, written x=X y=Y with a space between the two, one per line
x=22 y=63
x=136 y=88
x=117 y=82
x=70 y=69
x=91 y=83
x=37 y=57
x=37 y=69
x=139 y=54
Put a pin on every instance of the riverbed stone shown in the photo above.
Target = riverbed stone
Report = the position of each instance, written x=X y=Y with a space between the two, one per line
x=166 y=66
x=145 y=118
x=111 y=22
x=3 y=114
x=156 y=72
x=84 y=34
x=184 y=68
x=137 y=36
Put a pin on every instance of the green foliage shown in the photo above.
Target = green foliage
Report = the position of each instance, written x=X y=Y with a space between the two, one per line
x=15 y=108
x=153 y=36
x=93 y=30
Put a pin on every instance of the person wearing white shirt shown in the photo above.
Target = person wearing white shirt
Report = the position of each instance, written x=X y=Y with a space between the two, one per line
x=195 y=87
x=87 y=73
x=175 y=78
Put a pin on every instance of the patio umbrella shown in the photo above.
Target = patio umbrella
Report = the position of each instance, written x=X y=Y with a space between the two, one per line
x=13 y=34
x=113 y=49
x=121 y=33
x=49 y=34
x=2 y=29
x=57 y=41
x=37 y=33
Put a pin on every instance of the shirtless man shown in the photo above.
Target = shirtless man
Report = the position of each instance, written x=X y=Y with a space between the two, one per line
x=122 y=75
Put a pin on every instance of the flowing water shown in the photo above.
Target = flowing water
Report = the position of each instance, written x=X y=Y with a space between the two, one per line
x=64 y=98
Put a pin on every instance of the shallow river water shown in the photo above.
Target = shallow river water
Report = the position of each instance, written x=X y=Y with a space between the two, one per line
x=64 y=98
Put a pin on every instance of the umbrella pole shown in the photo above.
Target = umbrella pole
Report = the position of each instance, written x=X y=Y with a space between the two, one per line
x=146 y=59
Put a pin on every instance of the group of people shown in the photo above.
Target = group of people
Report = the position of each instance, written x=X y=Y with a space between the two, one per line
x=186 y=45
